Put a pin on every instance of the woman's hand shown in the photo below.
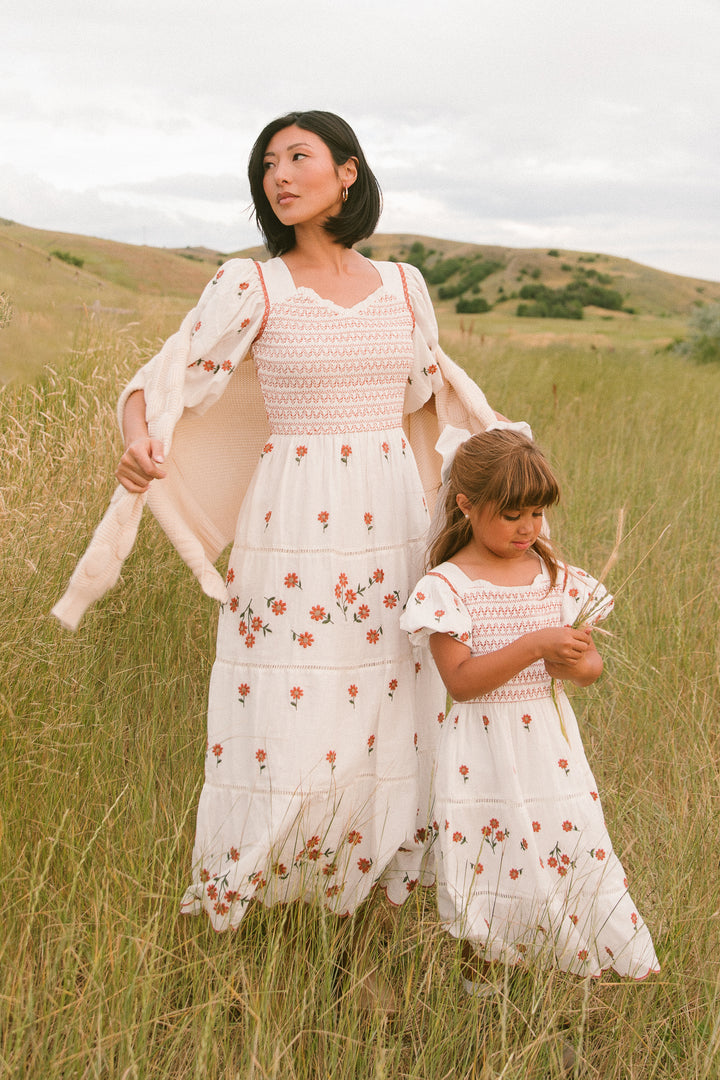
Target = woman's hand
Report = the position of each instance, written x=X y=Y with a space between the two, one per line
x=143 y=457
x=141 y=463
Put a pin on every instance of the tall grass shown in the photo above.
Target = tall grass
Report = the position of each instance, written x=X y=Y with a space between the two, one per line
x=103 y=736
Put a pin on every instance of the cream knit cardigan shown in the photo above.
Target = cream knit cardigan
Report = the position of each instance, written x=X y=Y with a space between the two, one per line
x=204 y=402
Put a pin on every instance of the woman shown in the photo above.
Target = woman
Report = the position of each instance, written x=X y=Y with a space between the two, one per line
x=324 y=375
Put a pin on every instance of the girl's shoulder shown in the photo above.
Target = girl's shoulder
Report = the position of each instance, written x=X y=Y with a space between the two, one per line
x=450 y=576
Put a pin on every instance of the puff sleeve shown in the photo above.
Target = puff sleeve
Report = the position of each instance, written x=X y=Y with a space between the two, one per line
x=194 y=365
x=435 y=608
x=583 y=595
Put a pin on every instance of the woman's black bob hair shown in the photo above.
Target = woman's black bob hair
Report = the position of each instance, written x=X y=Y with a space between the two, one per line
x=358 y=216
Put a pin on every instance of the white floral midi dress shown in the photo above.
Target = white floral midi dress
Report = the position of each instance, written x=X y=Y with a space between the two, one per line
x=321 y=720
x=525 y=865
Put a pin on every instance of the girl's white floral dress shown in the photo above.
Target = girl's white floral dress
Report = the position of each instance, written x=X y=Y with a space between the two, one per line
x=526 y=868
x=321 y=720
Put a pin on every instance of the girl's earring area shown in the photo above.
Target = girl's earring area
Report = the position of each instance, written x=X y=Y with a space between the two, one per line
x=345 y=194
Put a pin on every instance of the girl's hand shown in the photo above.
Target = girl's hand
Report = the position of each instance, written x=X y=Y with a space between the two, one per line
x=582 y=671
x=563 y=644
x=141 y=463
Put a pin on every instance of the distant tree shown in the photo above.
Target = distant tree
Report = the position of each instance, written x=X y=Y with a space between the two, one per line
x=703 y=342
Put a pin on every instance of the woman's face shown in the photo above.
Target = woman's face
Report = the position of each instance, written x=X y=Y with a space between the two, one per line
x=302 y=182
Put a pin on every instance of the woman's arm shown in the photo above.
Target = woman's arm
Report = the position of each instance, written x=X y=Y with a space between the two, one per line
x=467 y=676
x=143 y=456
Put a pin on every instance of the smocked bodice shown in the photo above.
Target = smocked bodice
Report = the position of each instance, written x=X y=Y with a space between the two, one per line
x=325 y=369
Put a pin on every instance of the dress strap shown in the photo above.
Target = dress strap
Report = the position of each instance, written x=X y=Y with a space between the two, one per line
x=263 y=324
x=434 y=573
x=406 y=292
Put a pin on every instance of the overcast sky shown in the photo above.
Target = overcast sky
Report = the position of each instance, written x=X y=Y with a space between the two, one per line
x=533 y=123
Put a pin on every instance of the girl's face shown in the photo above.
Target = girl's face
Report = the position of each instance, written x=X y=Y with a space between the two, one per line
x=508 y=534
x=302 y=182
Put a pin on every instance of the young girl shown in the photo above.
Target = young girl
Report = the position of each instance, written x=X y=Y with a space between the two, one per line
x=526 y=867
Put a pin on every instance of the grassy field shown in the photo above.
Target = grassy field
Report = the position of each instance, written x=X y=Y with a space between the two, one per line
x=103 y=737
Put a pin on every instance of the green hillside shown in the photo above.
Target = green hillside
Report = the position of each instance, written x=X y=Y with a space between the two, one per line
x=54 y=283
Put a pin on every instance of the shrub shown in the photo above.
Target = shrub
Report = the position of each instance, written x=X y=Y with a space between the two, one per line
x=477 y=306
x=703 y=343
x=65 y=256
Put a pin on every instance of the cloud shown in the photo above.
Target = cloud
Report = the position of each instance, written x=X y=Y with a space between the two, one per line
x=546 y=120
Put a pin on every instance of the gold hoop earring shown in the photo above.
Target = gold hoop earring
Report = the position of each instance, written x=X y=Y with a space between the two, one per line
x=345 y=194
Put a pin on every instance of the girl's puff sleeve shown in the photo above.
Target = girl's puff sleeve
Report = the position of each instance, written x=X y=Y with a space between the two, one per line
x=583 y=595
x=194 y=365
x=435 y=608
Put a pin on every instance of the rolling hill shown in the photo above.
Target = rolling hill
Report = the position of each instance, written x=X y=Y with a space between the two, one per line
x=54 y=282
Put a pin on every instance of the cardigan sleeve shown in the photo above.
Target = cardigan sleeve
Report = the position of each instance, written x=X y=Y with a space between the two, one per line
x=187 y=376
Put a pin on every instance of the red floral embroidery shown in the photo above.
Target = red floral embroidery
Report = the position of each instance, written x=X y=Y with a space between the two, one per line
x=364 y=865
x=243 y=691
x=292 y=581
x=261 y=757
x=353 y=693
x=373 y=636
x=463 y=770
x=354 y=837
x=345 y=452
x=300 y=452
x=323 y=517
x=371 y=744
x=296 y=693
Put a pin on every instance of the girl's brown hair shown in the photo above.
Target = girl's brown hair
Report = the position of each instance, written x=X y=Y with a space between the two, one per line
x=506 y=470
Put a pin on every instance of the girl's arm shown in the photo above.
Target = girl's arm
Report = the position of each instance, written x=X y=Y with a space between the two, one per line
x=467 y=676
x=143 y=456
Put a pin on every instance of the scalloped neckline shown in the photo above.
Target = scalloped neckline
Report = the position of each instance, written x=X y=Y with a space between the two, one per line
x=381 y=288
